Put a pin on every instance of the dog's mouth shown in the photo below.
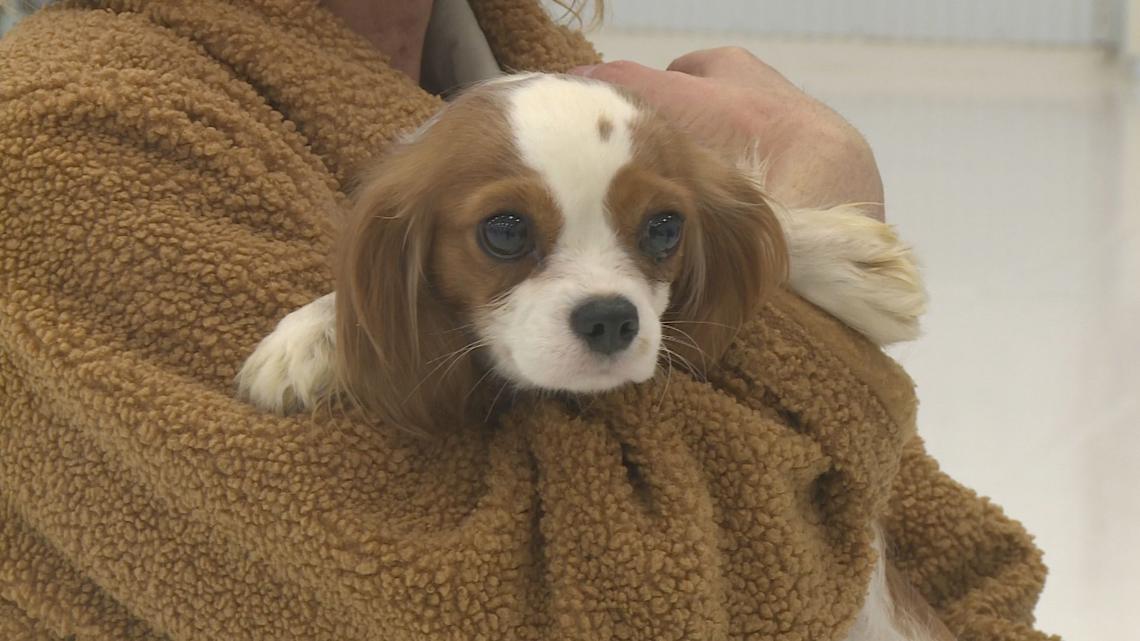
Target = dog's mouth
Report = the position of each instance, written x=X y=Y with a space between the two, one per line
x=586 y=373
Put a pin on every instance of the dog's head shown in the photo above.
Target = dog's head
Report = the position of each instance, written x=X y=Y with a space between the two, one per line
x=549 y=233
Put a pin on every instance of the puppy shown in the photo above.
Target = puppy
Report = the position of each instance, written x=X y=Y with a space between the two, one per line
x=552 y=233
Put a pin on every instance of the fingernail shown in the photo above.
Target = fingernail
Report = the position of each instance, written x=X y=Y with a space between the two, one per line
x=585 y=70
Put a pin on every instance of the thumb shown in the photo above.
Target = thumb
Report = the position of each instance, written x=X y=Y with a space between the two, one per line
x=624 y=73
x=671 y=92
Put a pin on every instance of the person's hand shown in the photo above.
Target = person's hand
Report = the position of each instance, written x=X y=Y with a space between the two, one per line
x=728 y=99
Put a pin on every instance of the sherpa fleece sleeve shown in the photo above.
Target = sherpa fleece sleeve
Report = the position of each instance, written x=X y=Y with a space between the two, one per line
x=978 y=567
x=145 y=179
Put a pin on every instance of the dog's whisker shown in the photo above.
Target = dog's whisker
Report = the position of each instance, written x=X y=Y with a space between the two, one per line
x=690 y=342
x=668 y=379
x=683 y=343
x=460 y=328
x=681 y=333
x=680 y=340
x=477 y=342
x=452 y=358
x=670 y=323
x=477 y=383
x=455 y=361
x=495 y=302
x=495 y=401
x=672 y=354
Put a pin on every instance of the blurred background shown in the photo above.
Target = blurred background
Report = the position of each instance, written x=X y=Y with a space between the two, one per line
x=1008 y=135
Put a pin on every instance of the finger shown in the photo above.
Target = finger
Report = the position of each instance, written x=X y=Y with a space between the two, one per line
x=705 y=62
x=668 y=91
x=729 y=63
x=621 y=72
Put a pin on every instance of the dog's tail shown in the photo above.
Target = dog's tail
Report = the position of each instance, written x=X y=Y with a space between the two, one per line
x=851 y=265
x=857 y=269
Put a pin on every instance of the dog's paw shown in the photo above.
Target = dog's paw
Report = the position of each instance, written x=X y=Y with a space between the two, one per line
x=292 y=368
x=857 y=269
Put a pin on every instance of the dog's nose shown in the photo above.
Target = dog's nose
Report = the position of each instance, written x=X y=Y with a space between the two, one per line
x=607 y=325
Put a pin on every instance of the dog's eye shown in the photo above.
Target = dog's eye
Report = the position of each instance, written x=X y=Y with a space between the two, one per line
x=505 y=236
x=661 y=235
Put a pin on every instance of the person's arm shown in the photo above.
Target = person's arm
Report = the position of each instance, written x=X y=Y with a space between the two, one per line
x=729 y=99
x=977 y=567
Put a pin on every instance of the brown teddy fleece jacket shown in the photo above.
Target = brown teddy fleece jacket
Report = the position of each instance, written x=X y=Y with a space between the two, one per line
x=169 y=174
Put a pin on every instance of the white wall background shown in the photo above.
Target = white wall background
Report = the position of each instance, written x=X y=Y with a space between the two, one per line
x=1131 y=29
x=1043 y=22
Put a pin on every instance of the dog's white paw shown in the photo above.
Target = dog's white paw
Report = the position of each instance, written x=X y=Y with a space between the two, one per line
x=292 y=368
x=857 y=269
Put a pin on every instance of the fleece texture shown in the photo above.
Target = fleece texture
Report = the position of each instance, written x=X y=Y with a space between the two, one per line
x=170 y=177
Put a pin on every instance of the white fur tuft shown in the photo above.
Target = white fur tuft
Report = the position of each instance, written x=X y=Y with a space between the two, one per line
x=876 y=620
x=857 y=269
x=293 y=368
x=851 y=265
x=881 y=618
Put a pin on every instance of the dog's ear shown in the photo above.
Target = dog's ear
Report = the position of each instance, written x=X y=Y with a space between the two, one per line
x=734 y=255
x=397 y=344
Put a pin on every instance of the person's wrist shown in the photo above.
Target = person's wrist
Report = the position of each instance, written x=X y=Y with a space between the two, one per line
x=822 y=161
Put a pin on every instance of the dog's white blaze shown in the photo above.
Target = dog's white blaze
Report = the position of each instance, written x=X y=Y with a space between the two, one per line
x=555 y=123
x=556 y=127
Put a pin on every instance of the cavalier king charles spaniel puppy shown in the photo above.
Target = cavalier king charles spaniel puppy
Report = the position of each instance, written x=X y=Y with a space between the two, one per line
x=554 y=234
